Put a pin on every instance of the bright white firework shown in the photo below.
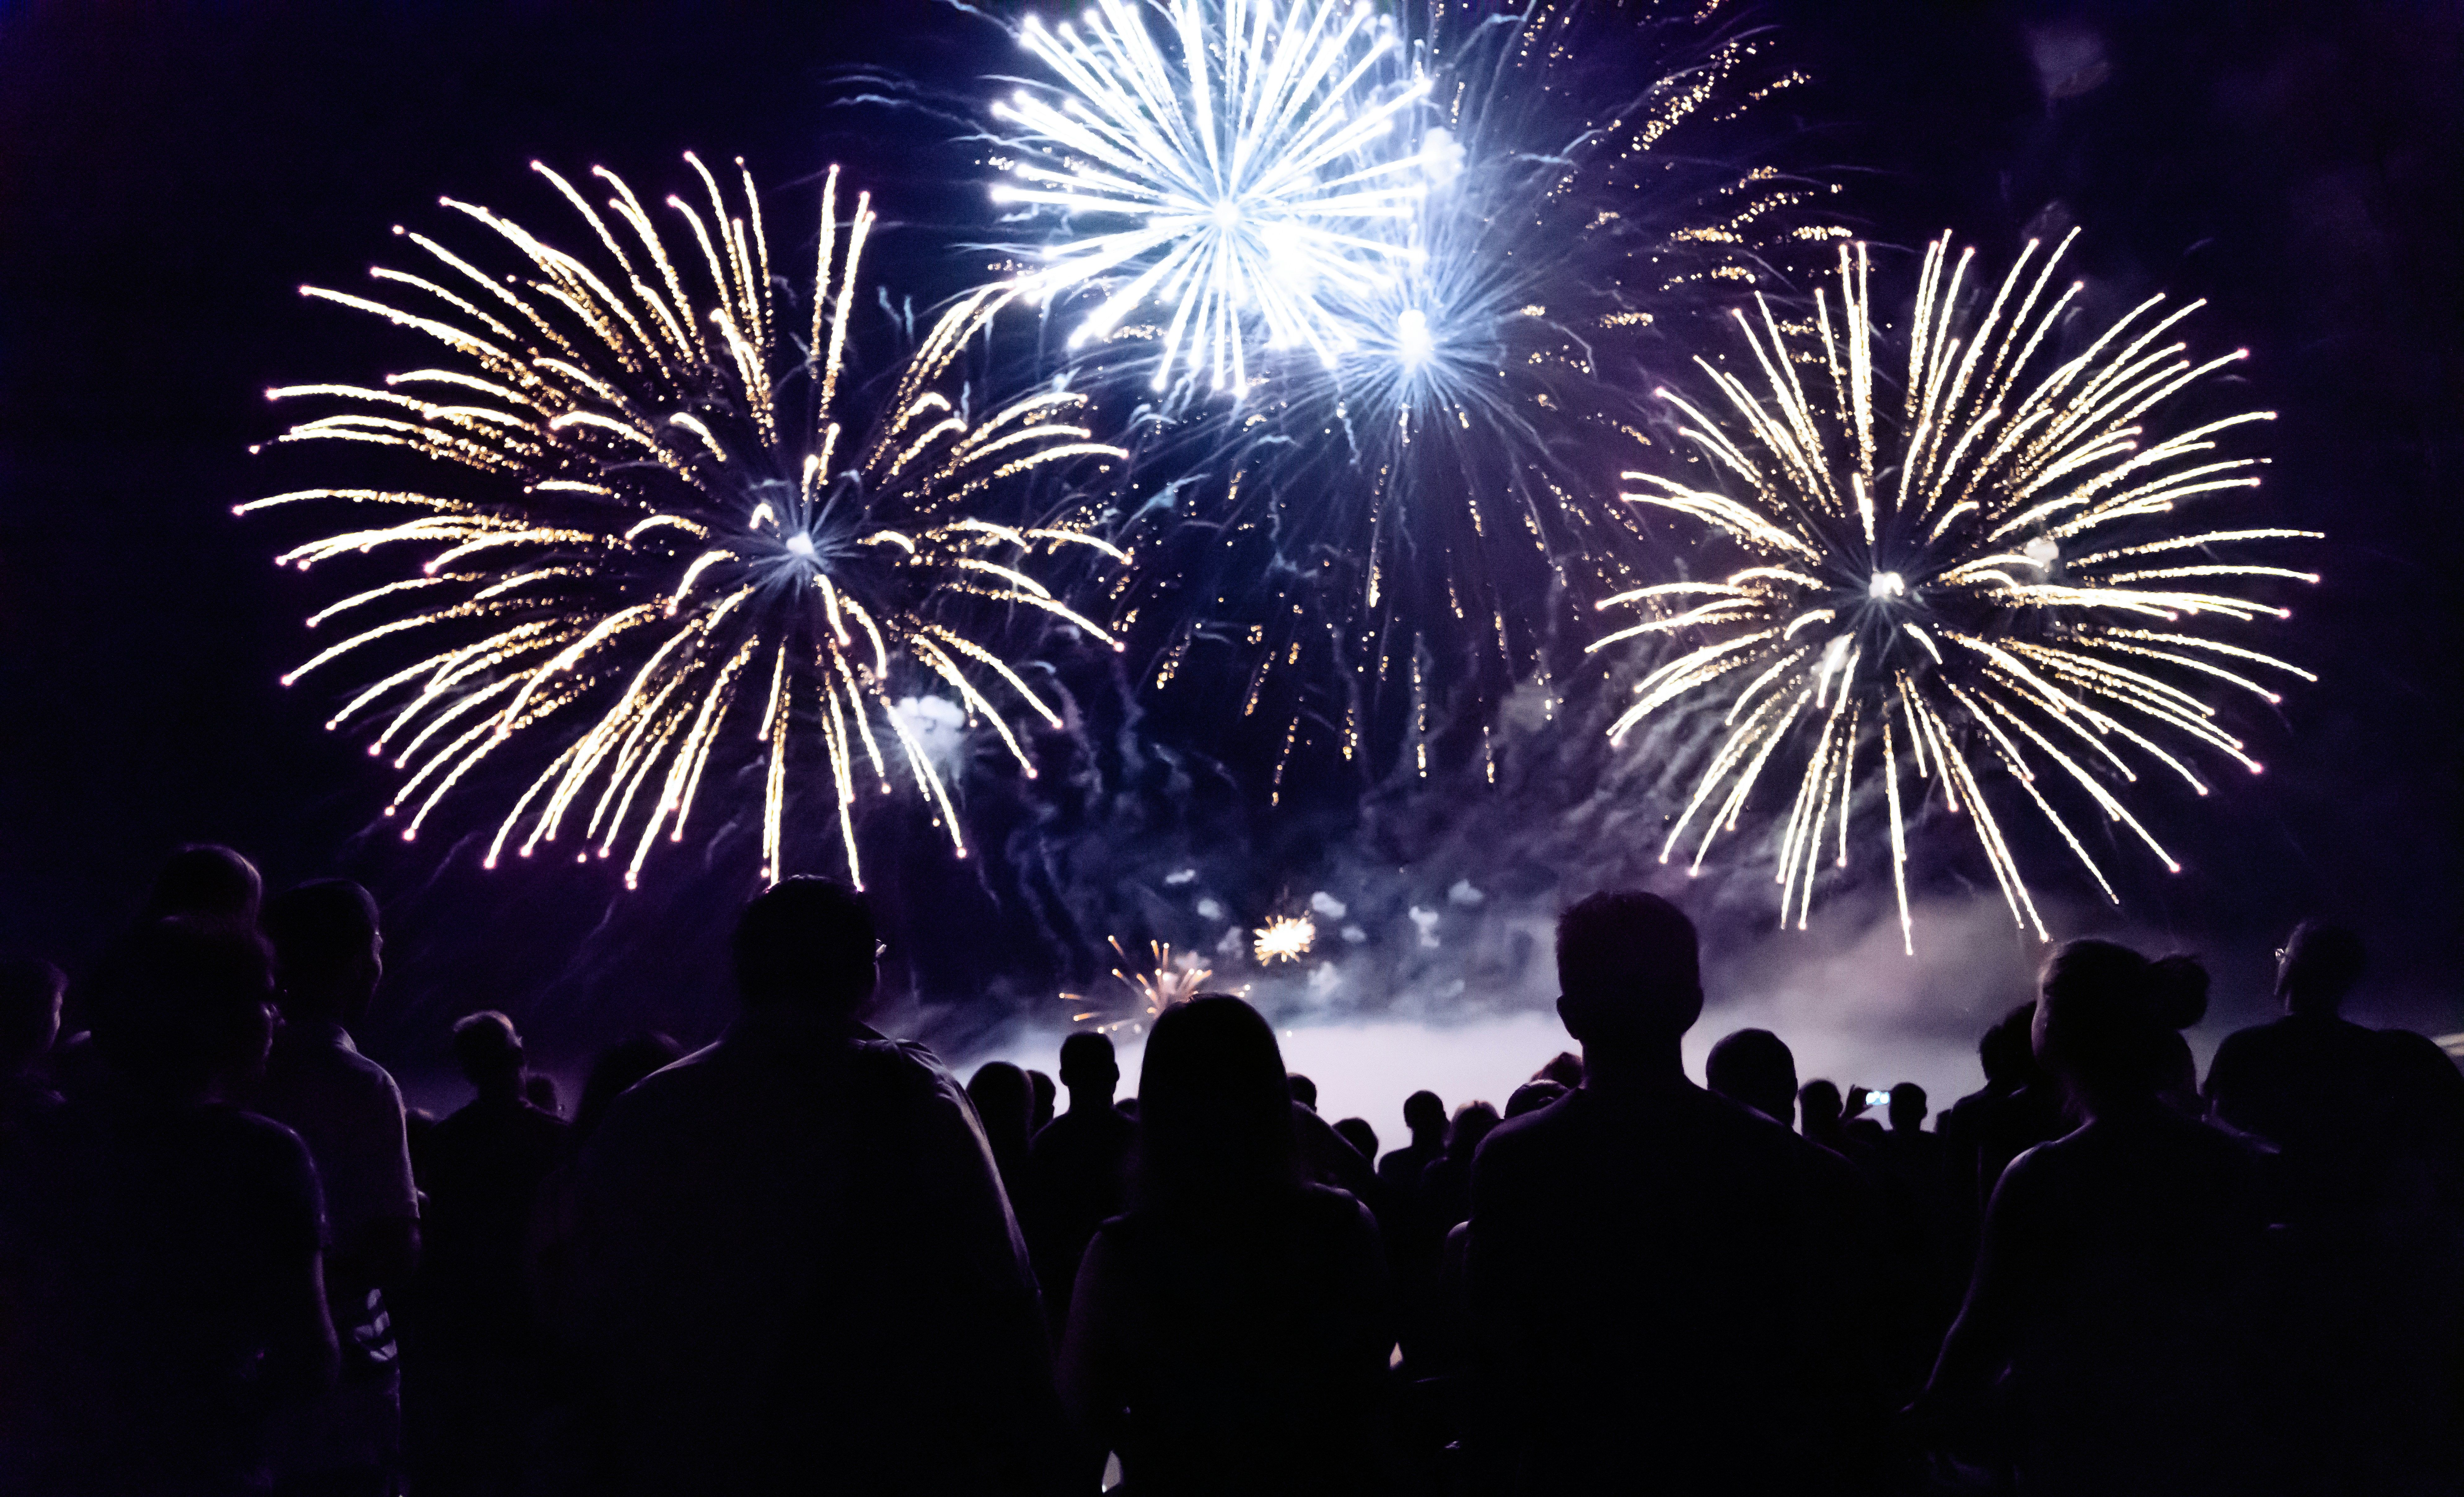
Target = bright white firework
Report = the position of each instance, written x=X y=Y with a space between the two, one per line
x=680 y=530
x=1260 y=157
x=1985 y=572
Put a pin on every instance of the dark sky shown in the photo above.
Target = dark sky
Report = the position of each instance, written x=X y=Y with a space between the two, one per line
x=169 y=173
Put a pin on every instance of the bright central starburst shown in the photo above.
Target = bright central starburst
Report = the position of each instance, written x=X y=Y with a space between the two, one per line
x=1248 y=168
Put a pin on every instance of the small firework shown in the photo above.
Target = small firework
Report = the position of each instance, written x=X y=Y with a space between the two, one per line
x=1168 y=980
x=1983 y=582
x=675 y=510
x=1284 y=938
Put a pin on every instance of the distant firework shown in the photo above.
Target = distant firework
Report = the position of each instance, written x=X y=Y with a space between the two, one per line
x=1374 y=543
x=1165 y=980
x=1232 y=165
x=1284 y=938
x=1976 y=586
x=680 y=531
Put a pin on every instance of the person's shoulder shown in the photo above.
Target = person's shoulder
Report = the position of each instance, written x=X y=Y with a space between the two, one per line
x=1334 y=1211
x=237 y=1135
x=1535 y=1136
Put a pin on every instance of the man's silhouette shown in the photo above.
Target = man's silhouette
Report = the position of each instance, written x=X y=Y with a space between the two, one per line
x=793 y=1262
x=474 y=1343
x=1755 y=1068
x=346 y=1108
x=1077 y=1170
x=1658 y=1299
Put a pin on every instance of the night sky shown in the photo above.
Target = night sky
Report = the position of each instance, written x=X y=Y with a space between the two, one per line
x=170 y=173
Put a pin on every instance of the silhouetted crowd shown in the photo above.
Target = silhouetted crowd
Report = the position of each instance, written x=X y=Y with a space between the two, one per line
x=805 y=1258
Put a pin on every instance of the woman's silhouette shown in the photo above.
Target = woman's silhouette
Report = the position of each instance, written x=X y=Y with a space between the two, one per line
x=1230 y=1333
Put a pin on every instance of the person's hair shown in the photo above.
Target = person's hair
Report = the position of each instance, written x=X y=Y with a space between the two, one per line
x=1423 y=1111
x=1085 y=1057
x=1045 y=1095
x=1907 y=1098
x=1755 y=1068
x=320 y=931
x=1565 y=1069
x=205 y=881
x=181 y=1000
x=487 y=1046
x=1215 y=1111
x=1304 y=1090
x=2107 y=1010
x=1473 y=1121
x=1628 y=967
x=30 y=1010
x=1357 y=1131
x=1004 y=1102
x=614 y=1073
x=1822 y=1104
x=2005 y=1052
x=2321 y=963
x=806 y=939
x=1531 y=1096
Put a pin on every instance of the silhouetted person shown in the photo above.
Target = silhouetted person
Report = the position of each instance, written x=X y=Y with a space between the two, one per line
x=1047 y=1097
x=1077 y=1170
x=161 y=1249
x=2115 y=1301
x=1410 y=1250
x=1357 y=1131
x=1229 y=1335
x=1755 y=1068
x=538 y=1089
x=1004 y=1103
x=206 y=884
x=1445 y=1185
x=1658 y=1299
x=30 y=992
x=1565 y=1069
x=2366 y=1130
x=794 y=1266
x=1821 y=1117
x=1531 y=1096
x=1922 y=1264
x=474 y=1345
x=1304 y=1090
x=346 y=1108
x=615 y=1072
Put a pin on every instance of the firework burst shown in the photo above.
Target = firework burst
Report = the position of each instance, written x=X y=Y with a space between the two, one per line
x=1166 y=980
x=1975 y=586
x=1387 y=542
x=682 y=531
x=1246 y=163
x=1284 y=938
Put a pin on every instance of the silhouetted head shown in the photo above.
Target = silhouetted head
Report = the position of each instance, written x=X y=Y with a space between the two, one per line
x=615 y=1072
x=1357 y=1131
x=1628 y=972
x=1565 y=1069
x=489 y=1049
x=327 y=950
x=1473 y=1122
x=1424 y=1113
x=2007 y=1052
x=1044 y=1092
x=30 y=991
x=2318 y=965
x=185 y=1009
x=206 y=883
x=1005 y=1104
x=1531 y=1096
x=1088 y=1070
x=1820 y=1109
x=806 y=941
x=1754 y=1067
x=1304 y=1090
x=2104 y=1013
x=1908 y=1108
x=1215 y=1109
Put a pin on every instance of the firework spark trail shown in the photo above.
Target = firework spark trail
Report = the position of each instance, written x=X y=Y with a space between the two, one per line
x=1981 y=581
x=1420 y=510
x=1258 y=151
x=1165 y=980
x=680 y=535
